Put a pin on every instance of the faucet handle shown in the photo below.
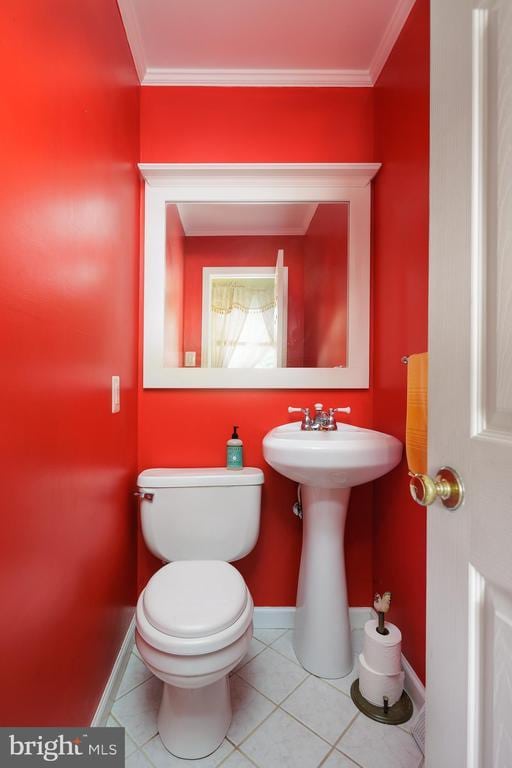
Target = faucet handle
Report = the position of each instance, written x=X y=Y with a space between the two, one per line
x=306 y=421
x=332 y=411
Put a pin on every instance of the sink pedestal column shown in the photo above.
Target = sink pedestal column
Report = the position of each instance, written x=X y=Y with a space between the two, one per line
x=322 y=637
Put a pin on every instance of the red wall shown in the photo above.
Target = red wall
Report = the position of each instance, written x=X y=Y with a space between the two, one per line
x=245 y=251
x=255 y=125
x=400 y=320
x=68 y=280
x=325 y=290
x=236 y=125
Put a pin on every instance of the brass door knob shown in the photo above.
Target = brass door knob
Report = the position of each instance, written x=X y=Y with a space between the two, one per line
x=447 y=487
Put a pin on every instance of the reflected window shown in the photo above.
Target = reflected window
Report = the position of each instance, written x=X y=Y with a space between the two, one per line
x=241 y=318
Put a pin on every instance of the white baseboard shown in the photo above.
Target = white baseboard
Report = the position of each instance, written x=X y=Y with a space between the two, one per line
x=413 y=685
x=284 y=617
x=107 y=698
x=359 y=616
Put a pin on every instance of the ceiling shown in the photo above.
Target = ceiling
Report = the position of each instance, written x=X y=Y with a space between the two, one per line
x=246 y=218
x=262 y=42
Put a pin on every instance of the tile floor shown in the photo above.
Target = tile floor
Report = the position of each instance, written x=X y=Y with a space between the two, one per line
x=283 y=717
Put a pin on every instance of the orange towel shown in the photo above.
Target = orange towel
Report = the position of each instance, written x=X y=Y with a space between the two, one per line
x=417 y=402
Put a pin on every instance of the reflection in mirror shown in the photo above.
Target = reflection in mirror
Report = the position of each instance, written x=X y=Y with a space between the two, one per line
x=256 y=285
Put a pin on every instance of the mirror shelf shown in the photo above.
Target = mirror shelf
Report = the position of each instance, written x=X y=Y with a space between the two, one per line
x=258 y=183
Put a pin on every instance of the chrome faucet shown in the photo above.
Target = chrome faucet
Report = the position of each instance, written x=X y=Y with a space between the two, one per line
x=323 y=421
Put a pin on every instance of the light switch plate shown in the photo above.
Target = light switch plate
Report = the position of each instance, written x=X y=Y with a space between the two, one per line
x=190 y=359
x=116 y=394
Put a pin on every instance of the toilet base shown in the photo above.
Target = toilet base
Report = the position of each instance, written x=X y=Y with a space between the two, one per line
x=193 y=722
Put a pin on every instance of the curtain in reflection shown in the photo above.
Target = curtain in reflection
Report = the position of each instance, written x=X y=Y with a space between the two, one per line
x=243 y=324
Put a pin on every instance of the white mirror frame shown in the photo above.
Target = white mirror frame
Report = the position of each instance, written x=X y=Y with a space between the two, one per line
x=255 y=182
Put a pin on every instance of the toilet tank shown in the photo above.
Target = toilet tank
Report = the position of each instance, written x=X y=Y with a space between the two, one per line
x=200 y=514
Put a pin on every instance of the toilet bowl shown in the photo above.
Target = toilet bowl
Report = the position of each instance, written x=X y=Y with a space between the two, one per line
x=194 y=617
x=194 y=625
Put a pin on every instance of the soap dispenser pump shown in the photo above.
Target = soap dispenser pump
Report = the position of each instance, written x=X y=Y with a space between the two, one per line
x=234 y=451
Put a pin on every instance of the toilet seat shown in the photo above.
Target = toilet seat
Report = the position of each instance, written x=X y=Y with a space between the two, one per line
x=193 y=607
x=195 y=598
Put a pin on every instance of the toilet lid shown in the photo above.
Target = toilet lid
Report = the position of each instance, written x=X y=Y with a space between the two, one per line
x=194 y=598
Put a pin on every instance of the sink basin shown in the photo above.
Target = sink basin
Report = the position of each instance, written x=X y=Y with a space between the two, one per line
x=327 y=465
x=341 y=459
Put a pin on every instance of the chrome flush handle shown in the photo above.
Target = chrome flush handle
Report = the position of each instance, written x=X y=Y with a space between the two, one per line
x=144 y=495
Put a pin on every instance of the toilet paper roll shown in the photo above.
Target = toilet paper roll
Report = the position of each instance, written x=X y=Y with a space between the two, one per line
x=374 y=685
x=382 y=652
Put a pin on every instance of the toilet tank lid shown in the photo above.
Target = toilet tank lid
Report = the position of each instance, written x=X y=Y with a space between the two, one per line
x=186 y=477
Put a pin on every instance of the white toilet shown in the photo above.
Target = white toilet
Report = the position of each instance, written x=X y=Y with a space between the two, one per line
x=194 y=618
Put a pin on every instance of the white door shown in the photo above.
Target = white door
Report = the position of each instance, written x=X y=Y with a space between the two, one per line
x=469 y=592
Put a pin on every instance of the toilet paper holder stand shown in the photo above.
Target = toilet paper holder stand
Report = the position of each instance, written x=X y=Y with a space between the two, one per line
x=402 y=710
x=399 y=713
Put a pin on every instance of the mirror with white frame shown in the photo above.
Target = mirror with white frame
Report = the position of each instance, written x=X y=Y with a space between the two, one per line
x=257 y=275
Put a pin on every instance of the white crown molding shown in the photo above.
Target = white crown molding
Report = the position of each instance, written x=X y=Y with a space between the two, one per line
x=279 y=78
x=389 y=38
x=244 y=232
x=225 y=177
x=201 y=228
x=312 y=78
x=134 y=35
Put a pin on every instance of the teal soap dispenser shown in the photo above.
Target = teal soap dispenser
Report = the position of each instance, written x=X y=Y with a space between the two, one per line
x=234 y=451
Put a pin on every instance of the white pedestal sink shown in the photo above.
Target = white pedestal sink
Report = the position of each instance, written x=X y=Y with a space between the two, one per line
x=327 y=465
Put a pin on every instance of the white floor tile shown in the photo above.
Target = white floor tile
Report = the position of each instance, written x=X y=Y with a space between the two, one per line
x=409 y=725
x=137 y=760
x=337 y=760
x=237 y=760
x=375 y=745
x=250 y=708
x=284 y=645
x=282 y=742
x=137 y=710
x=161 y=758
x=322 y=708
x=273 y=675
x=129 y=745
x=254 y=648
x=135 y=673
x=273 y=739
x=268 y=636
x=344 y=683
